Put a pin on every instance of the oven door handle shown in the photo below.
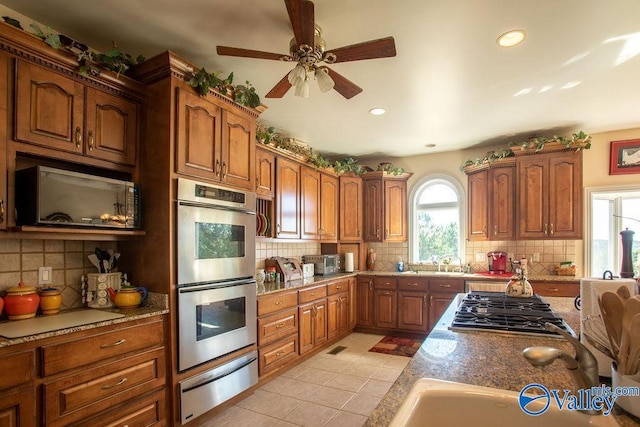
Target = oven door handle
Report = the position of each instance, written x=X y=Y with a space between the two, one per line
x=222 y=375
x=215 y=207
x=217 y=285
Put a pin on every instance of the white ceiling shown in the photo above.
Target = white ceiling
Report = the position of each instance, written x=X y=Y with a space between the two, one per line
x=449 y=85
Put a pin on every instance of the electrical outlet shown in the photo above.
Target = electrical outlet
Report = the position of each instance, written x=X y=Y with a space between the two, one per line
x=44 y=275
x=481 y=257
x=536 y=257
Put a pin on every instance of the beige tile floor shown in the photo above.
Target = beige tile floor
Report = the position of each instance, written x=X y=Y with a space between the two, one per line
x=324 y=390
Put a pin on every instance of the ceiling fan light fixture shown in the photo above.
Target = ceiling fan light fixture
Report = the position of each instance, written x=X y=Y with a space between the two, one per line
x=302 y=89
x=325 y=82
x=297 y=75
x=511 y=38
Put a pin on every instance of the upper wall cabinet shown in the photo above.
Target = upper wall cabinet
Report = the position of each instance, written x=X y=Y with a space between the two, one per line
x=550 y=195
x=287 y=199
x=58 y=112
x=265 y=173
x=350 y=208
x=385 y=207
x=491 y=200
x=214 y=143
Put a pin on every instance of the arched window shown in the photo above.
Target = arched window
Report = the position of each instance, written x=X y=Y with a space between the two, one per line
x=437 y=228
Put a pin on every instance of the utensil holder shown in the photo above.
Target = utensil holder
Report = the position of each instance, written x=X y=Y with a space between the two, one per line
x=631 y=404
x=97 y=284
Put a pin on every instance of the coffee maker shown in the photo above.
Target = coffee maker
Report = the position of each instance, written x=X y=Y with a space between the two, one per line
x=497 y=262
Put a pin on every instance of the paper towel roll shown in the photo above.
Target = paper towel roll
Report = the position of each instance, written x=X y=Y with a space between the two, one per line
x=348 y=262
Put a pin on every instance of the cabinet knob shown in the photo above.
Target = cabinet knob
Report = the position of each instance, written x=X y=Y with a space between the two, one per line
x=91 y=140
x=280 y=353
x=280 y=326
x=78 y=137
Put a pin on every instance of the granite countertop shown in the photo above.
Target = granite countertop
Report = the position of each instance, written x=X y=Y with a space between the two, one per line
x=485 y=359
x=471 y=276
x=271 y=287
x=156 y=304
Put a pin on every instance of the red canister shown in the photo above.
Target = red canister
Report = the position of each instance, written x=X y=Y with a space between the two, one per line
x=21 y=302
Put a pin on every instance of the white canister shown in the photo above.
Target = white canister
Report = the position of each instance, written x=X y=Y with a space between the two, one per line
x=631 y=404
x=308 y=270
x=348 y=262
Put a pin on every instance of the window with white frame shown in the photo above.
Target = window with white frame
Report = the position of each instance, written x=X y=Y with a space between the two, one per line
x=610 y=212
x=437 y=228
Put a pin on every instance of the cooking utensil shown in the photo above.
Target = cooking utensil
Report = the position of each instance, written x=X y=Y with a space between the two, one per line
x=95 y=262
x=631 y=309
x=634 y=346
x=612 y=308
x=596 y=334
x=624 y=293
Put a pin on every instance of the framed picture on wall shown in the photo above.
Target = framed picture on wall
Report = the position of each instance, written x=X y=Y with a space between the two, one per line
x=625 y=157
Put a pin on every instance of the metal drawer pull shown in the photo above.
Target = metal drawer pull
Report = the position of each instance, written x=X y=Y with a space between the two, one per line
x=553 y=289
x=122 y=381
x=122 y=341
x=338 y=287
x=280 y=353
x=280 y=325
x=312 y=294
x=412 y=284
x=444 y=286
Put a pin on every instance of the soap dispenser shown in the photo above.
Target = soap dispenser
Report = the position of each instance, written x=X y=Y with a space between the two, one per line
x=400 y=265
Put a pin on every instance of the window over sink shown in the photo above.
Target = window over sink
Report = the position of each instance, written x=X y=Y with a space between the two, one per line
x=611 y=210
x=437 y=227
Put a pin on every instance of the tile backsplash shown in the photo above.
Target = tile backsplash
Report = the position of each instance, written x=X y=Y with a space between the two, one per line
x=20 y=259
x=268 y=249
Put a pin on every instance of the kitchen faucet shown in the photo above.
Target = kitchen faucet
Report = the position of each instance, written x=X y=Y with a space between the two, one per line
x=583 y=368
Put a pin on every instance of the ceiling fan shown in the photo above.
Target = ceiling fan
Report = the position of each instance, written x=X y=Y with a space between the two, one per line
x=308 y=49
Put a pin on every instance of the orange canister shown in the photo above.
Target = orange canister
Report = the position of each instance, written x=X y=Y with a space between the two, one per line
x=21 y=302
x=50 y=301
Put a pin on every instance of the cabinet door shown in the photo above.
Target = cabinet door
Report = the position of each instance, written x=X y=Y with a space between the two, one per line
x=533 y=202
x=343 y=312
x=385 y=307
x=438 y=304
x=565 y=196
x=373 y=210
x=413 y=311
x=238 y=152
x=17 y=408
x=364 y=305
x=287 y=200
x=198 y=136
x=320 y=322
x=310 y=203
x=328 y=207
x=305 y=333
x=353 y=303
x=4 y=102
x=478 y=199
x=502 y=196
x=333 y=314
x=395 y=211
x=265 y=173
x=48 y=108
x=112 y=127
x=350 y=209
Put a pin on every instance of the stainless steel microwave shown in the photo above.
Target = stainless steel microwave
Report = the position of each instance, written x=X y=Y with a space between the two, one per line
x=323 y=264
x=48 y=196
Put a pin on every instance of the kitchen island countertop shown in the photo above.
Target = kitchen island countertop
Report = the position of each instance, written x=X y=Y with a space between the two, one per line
x=485 y=359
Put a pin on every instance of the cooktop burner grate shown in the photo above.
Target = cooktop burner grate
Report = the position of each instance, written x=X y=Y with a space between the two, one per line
x=497 y=312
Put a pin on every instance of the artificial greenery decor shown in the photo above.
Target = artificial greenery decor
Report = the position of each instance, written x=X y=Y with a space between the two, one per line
x=246 y=95
x=348 y=164
x=577 y=141
x=9 y=20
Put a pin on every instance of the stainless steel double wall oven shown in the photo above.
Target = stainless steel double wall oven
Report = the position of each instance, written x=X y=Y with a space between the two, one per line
x=216 y=292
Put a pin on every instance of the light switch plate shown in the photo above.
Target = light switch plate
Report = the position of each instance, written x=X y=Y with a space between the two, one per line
x=44 y=275
x=481 y=257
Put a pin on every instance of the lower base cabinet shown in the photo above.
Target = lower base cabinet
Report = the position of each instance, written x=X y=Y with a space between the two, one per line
x=17 y=408
x=413 y=309
x=313 y=325
x=146 y=411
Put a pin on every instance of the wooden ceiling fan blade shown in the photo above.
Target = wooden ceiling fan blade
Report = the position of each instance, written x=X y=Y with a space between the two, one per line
x=343 y=86
x=302 y=17
x=372 y=49
x=280 y=88
x=248 y=53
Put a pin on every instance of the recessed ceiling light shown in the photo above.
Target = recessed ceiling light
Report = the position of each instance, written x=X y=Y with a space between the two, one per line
x=377 y=111
x=511 y=38
x=429 y=145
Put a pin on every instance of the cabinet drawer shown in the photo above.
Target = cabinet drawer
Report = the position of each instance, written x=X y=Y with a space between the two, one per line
x=385 y=283
x=143 y=412
x=17 y=369
x=556 y=289
x=72 y=354
x=413 y=284
x=277 y=354
x=446 y=285
x=337 y=287
x=313 y=294
x=276 y=326
x=77 y=396
x=271 y=303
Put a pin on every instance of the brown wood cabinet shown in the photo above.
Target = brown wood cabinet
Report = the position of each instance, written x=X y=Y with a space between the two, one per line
x=277 y=330
x=491 y=200
x=364 y=306
x=350 y=208
x=310 y=203
x=338 y=309
x=287 y=199
x=385 y=305
x=214 y=143
x=385 y=204
x=60 y=113
x=441 y=293
x=353 y=302
x=556 y=289
x=413 y=306
x=313 y=325
x=17 y=408
x=265 y=173
x=329 y=189
x=550 y=195
x=17 y=393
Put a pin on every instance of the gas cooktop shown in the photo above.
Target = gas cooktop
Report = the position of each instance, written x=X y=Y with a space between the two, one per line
x=497 y=312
